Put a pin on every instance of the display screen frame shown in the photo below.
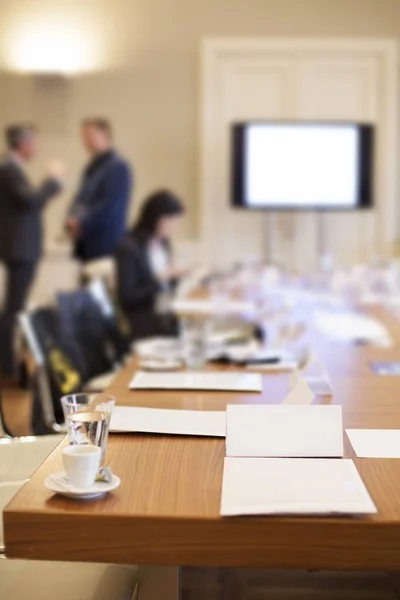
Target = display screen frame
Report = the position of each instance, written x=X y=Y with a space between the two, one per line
x=366 y=167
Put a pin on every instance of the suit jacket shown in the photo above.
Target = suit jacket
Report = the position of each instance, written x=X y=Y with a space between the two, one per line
x=138 y=288
x=101 y=205
x=21 y=207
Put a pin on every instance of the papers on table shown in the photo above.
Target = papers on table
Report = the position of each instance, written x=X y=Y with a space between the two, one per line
x=375 y=443
x=284 y=431
x=173 y=422
x=229 y=381
x=209 y=307
x=266 y=486
x=352 y=327
x=300 y=392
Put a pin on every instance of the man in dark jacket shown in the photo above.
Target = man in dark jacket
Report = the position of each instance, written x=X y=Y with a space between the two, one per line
x=21 y=208
x=98 y=215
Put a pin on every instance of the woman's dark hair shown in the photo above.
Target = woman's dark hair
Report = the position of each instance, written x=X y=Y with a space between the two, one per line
x=160 y=204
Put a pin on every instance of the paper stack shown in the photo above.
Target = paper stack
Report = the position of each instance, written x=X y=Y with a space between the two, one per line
x=284 y=460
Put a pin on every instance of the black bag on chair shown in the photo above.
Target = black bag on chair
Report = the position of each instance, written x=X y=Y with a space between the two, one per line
x=61 y=372
x=85 y=333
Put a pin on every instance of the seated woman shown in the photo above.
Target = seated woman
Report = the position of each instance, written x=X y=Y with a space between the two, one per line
x=144 y=270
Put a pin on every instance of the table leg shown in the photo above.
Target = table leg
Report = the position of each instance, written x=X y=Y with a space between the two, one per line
x=159 y=583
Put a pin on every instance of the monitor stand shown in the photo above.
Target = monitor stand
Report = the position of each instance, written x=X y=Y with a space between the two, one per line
x=324 y=257
x=269 y=238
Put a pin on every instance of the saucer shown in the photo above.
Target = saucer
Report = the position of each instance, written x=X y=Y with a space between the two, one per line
x=59 y=484
x=160 y=364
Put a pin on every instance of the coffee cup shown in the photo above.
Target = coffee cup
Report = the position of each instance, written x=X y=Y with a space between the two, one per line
x=81 y=464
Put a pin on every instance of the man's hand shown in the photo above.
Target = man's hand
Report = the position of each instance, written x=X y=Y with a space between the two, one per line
x=73 y=227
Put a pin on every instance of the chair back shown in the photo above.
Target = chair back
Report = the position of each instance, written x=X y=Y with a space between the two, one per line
x=84 y=331
x=55 y=374
x=117 y=326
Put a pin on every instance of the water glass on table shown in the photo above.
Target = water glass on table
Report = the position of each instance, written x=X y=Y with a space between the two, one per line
x=87 y=417
x=194 y=337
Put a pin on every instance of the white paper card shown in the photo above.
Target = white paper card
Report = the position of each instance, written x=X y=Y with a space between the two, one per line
x=299 y=394
x=257 y=430
x=350 y=327
x=266 y=486
x=375 y=443
x=174 y=422
x=229 y=381
x=190 y=307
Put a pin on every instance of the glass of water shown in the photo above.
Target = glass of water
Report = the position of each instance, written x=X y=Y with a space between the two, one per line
x=194 y=338
x=87 y=417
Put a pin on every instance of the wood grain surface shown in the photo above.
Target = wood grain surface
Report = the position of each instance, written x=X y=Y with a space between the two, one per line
x=166 y=511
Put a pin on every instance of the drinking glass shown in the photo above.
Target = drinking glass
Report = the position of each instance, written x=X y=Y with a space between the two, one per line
x=194 y=338
x=87 y=417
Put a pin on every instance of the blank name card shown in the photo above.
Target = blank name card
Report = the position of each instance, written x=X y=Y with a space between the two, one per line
x=289 y=486
x=284 y=431
x=228 y=381
x=126 y=419
x=375 y=443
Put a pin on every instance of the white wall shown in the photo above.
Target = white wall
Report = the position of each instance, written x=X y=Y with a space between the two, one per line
x=149 y=85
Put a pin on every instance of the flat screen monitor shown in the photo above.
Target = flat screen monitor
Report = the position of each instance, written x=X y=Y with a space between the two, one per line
x=302 y=166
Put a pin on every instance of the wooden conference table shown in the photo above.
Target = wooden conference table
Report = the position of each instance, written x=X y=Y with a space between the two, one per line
x=166 y=511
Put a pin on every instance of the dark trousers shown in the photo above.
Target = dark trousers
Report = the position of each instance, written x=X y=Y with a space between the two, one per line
x=19 y=278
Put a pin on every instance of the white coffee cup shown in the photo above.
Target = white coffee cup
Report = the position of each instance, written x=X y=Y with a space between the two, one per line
x=81 y=464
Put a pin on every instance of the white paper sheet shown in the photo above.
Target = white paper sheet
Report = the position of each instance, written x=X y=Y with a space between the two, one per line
x=266 y=486
x=175 y=422
x=229 y=381
x=299 y=394
x=375 y=443
x=209 y=307
x=257 y=430
x=352 y=327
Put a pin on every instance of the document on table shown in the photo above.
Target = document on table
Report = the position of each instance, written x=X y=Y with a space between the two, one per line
x=233 y=307
x=229 y=381
x=300 y=393
x=257 y=430
x=352 y=327
x=285 y=486
x=126 y=419
x=375 y=443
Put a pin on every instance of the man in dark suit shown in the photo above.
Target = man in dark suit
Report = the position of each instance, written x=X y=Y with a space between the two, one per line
x=98 y=215
x=21 y=207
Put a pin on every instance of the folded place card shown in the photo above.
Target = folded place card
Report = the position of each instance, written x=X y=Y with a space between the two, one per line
x=375 y=443
x=257 y=430
x=285 y=486
x=126 y=419
x=299 y=394
x=229 y=381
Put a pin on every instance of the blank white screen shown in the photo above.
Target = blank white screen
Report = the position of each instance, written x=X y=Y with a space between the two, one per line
x=300 y=165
